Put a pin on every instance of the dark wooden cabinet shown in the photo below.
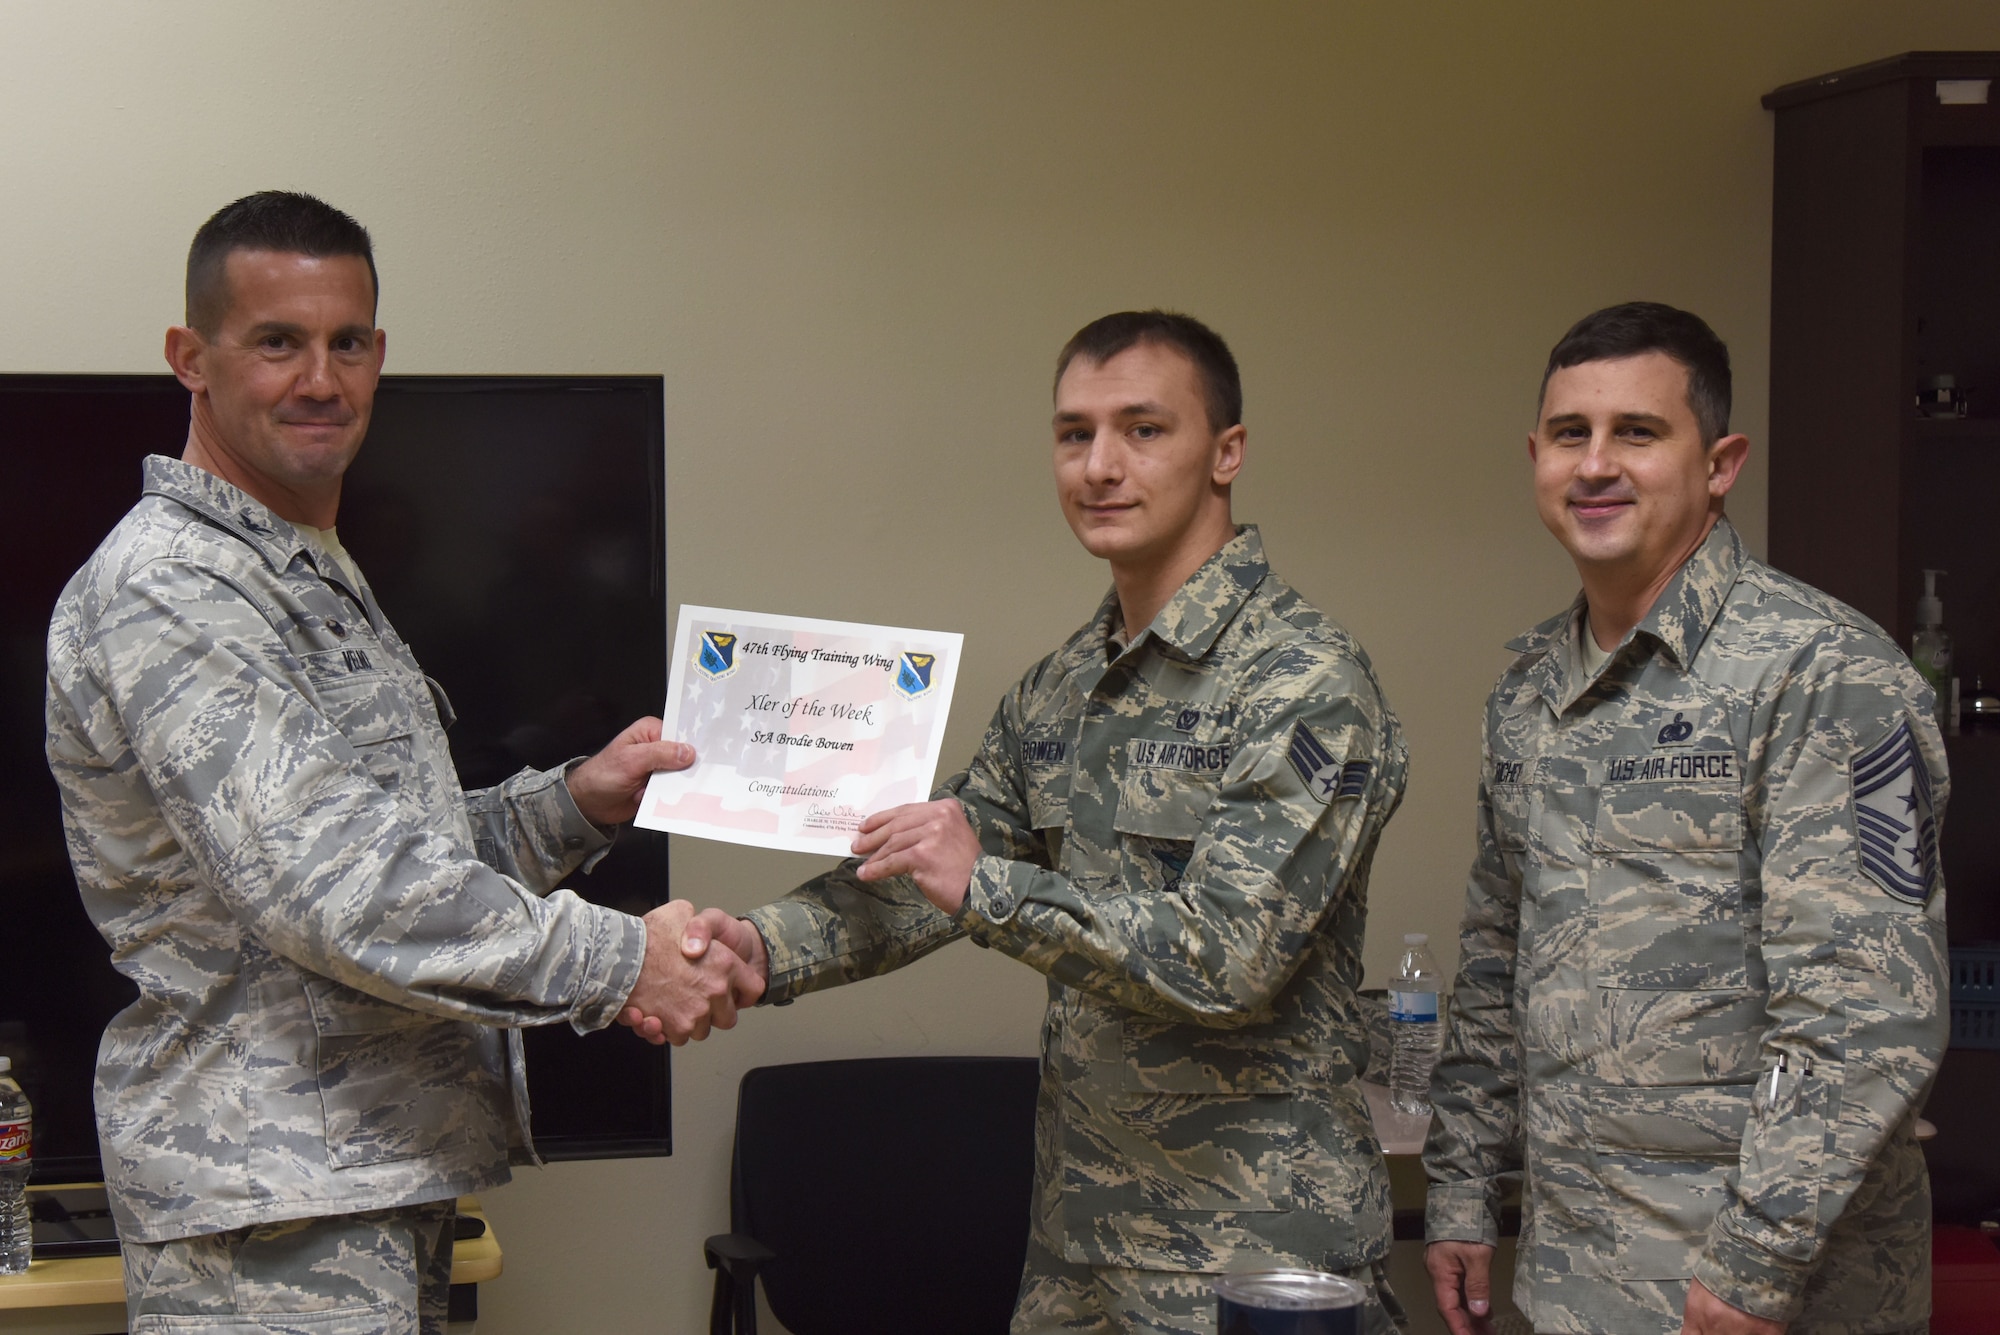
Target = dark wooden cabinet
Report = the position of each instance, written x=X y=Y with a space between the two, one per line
x=1885 y=272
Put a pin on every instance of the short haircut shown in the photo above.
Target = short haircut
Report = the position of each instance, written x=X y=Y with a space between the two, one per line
x=277 y=220
x=1104 y=338
x=1639 y=327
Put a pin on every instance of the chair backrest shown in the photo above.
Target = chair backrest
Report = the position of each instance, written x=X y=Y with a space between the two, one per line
x=895 y=1191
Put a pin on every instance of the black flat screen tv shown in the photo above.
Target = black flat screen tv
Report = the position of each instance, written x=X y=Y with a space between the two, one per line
x=513 y=530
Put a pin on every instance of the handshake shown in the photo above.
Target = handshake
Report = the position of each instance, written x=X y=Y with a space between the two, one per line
x=700 y=969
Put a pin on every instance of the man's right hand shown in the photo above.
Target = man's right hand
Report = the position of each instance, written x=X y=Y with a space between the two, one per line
x=1461 y=1282
x=682 y=994
x=713 y=945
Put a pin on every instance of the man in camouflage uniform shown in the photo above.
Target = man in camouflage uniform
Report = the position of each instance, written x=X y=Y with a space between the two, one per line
x=328 y=937
x=1172 y=816
x=1698 y=998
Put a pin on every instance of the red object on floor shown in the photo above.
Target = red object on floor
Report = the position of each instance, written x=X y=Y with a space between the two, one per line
x=1965 y=1282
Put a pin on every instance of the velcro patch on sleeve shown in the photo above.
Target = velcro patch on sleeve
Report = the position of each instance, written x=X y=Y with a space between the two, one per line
x=1893 y=816
x=1325 y=777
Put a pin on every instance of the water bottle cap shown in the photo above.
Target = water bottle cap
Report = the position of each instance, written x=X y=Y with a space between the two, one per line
x=6 y=1065
x=1416 y=938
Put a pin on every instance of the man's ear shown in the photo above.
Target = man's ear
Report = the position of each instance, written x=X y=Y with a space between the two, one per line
x=1229 y=455
x=187 y=352
x=1533 y=449
x=1725 y=464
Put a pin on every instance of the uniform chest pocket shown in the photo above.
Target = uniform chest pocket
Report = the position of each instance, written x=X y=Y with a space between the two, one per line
x=1692 y=816
x=1164 y=803
x=1160 y=814
x=1510 y=816
x=373 y=710
x=1666 y=884
x=1045 y=766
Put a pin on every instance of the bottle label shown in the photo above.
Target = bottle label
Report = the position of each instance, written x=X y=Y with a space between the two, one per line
x=1413 y=1006
x=15 y=1142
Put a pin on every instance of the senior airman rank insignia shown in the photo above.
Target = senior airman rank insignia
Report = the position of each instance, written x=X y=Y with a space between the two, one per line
x=1324 y=777
x=717 y=655
x=913 y=673
x=1893 y=816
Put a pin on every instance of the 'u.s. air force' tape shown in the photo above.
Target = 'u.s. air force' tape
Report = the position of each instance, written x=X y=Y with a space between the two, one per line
x=1325 y=778
x=1893 y=816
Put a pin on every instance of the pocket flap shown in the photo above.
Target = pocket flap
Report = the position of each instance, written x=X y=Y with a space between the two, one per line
x=1675 y=1121
x=1669 y=817
x=339 y=1010
x=1164 y=803
x=1510 y=816
x=368 y=708
x=1166 y=1058
x=354 y=1320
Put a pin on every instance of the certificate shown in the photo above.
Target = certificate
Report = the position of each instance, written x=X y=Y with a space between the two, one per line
x=801 y=728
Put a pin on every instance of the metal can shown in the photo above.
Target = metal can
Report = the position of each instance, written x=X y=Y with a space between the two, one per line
x=1288 y=1302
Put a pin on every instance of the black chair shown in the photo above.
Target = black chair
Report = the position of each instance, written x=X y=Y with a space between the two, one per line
x=878 y=1196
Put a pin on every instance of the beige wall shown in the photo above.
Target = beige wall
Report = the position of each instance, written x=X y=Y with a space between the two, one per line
x=852 y=236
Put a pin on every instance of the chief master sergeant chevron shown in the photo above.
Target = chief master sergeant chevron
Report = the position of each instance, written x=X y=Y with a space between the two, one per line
x=1702 y=961
x=1172 y=817
x=327 y=935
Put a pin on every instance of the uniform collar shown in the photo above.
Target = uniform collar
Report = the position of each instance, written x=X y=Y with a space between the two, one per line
x=269 y=536
x=209 y=496
x=1680 y=618
x=1678 y=621
x=1200 y=608
x=1192 y=619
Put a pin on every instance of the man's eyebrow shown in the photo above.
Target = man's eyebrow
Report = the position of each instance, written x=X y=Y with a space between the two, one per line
x=1145 y=408
x=290 y=330
x=276 y=327
x=1620 y=418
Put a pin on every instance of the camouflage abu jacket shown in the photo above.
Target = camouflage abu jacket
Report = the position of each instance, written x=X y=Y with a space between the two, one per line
x=1702 y=966
x=1179 y=836
x=266 y=827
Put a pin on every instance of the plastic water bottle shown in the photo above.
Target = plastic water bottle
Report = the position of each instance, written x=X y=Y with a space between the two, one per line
x=1414 y=1036
x=17 y=1141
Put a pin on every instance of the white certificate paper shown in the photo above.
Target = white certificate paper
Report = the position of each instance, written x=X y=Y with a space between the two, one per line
x=801 y=728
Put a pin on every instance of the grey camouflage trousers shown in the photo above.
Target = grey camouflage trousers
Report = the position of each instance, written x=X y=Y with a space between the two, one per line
x=1062 y=1296
x=383 y=1272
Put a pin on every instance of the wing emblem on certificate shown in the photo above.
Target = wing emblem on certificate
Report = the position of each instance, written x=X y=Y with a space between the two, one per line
x=718 y=653
x=803 y=728
x=913 y=674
